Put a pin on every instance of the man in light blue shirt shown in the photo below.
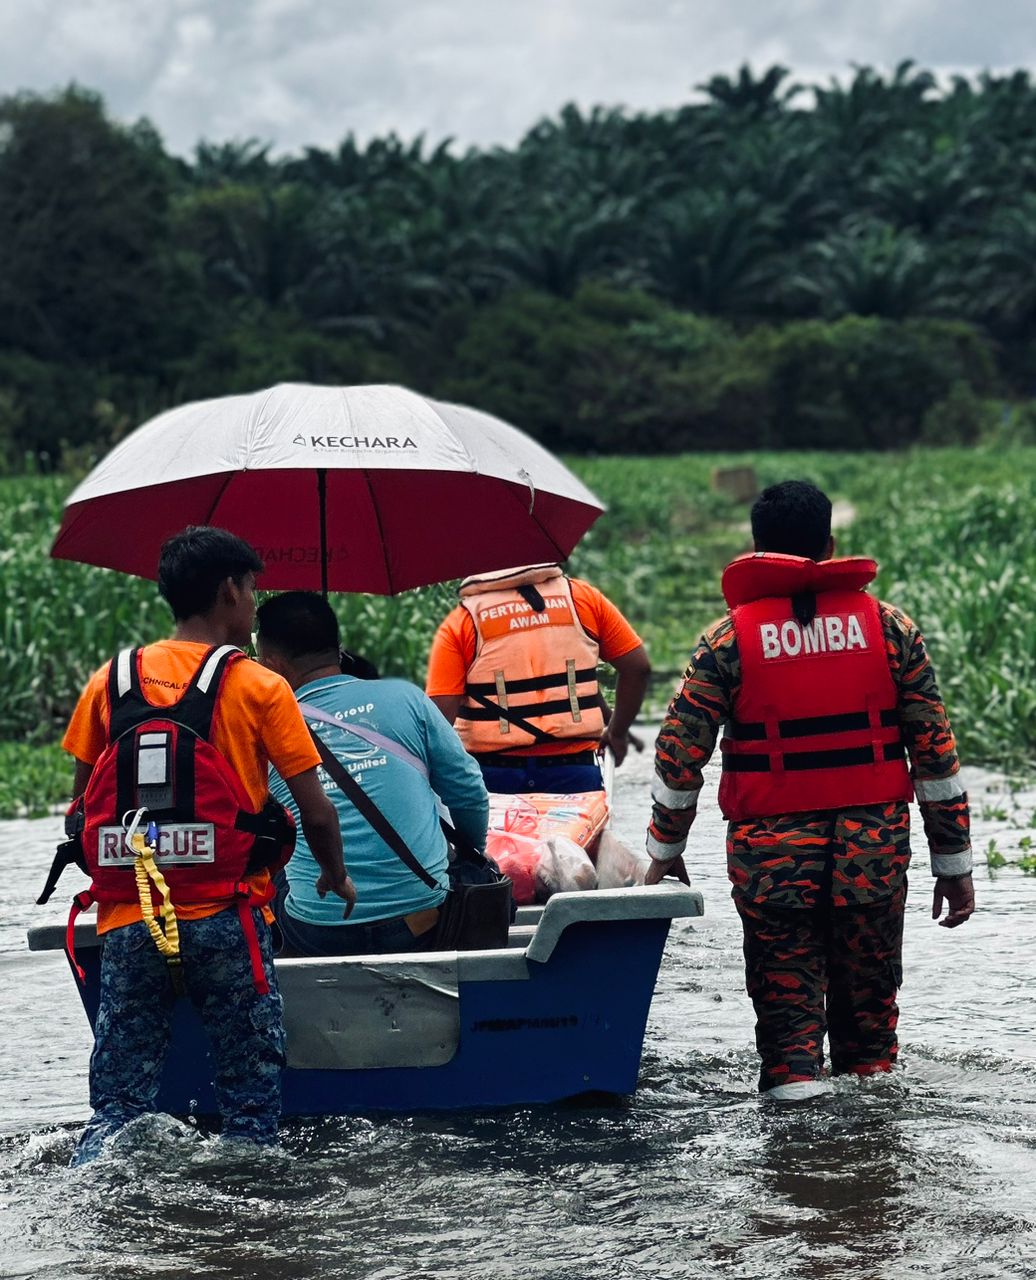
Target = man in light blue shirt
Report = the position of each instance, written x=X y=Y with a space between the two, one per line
x=404 y=754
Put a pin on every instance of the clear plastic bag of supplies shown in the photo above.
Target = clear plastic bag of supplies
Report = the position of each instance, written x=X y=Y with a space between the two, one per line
x=539 y=868
x=618 y=867
x=564 y=866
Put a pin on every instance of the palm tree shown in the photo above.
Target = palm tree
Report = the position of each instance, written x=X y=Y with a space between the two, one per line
x=788 y=175
x=748 y=96
x=858 y=116
x=928 y=190
x=369 y=274
x=1006 y=267
x=217 y=163
x=715 y=252
x=253 y=240
x=559 y=244
x=870 y=269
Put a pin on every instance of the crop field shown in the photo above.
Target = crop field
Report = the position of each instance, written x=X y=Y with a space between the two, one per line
x=953 y=530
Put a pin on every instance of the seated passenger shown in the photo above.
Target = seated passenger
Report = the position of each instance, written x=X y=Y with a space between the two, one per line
x=395 y=910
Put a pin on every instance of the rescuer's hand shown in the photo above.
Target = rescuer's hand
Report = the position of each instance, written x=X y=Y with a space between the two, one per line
x=958 y=893
x=340 y=885
x=675 y=867
x=617 y=743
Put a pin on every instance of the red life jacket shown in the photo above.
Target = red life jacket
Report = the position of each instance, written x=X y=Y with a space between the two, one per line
x=815 y=723
x=160 y=759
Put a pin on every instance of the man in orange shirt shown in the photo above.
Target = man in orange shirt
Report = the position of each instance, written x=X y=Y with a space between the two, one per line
x=514 y=666
x=207 y=576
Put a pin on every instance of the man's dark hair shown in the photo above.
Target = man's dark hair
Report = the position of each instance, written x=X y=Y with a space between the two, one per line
x=355 y=664
x=297 y=623
x=793 y=518
x=193 y=564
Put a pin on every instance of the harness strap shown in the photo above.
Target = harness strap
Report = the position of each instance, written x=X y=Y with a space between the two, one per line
x=80 y=903
x=373 y=739
x=809 y=726
x=488 y=710
x=875 y=718
x=352 y=789
x=494 y=709
x=533 y=684
x=807 y=761
x=255 y=955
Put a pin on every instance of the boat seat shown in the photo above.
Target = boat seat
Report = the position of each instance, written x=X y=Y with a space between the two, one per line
x=520 y=935
x=528 y=915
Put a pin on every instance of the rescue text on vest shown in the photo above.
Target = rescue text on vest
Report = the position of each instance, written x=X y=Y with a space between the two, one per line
x=180 y=844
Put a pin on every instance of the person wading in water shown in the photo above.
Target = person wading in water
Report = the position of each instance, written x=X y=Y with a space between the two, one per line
x=822 y=689
x=178 y=736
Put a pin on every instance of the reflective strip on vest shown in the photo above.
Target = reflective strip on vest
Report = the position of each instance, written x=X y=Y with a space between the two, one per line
x=541 y=667
x=501 y=697
x=211 y=664
x=124 y=674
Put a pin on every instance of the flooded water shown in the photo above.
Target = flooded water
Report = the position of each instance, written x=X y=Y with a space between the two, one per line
x=927 y=1172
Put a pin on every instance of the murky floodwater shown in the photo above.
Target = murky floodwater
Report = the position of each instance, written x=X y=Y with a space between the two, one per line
x=928 y=1172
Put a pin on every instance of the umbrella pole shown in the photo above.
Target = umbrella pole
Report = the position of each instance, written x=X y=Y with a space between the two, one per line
x=322 y=501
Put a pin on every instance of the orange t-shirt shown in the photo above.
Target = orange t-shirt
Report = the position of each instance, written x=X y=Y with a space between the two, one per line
x=257 y=722
x=453 y=651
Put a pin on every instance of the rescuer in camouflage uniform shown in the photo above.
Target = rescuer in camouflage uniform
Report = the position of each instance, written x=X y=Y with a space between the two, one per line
x=820 y=894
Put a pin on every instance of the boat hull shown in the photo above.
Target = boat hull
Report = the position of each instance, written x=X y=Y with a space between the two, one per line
x=561 y=1013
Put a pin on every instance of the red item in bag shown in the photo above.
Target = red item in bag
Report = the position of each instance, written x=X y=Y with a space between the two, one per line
x=518 y=857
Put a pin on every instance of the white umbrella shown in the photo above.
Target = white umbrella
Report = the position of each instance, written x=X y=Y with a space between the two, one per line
x=368 y=488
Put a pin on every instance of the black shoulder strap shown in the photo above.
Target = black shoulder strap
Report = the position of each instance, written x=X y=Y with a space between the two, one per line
x=125 y=697
x=532 y=598
x=513 y=717
x=129 y=707
x=352 y=789
x=198 y=704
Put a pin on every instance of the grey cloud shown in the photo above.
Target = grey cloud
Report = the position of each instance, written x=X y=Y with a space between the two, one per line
x=303 y=71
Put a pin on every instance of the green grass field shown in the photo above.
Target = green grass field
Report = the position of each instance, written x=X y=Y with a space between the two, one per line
x=953 y=530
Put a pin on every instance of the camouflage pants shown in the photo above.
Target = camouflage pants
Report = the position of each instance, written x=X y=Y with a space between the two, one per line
x=131 y=1036
x=823 y=969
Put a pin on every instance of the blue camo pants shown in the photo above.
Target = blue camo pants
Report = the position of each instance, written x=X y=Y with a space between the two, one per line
x=131 y=1037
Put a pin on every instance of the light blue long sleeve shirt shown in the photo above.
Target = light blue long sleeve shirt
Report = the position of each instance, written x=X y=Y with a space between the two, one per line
x=384 y=886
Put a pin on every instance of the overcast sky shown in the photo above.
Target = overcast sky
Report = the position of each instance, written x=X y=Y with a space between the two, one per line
x=293 y=72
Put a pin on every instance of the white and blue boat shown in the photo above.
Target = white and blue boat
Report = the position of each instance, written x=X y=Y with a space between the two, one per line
x=558 y=1013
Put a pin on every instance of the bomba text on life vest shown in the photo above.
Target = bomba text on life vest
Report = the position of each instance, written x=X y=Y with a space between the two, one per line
x=830 y=633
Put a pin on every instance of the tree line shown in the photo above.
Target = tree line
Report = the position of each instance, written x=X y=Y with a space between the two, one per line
x=768 y=265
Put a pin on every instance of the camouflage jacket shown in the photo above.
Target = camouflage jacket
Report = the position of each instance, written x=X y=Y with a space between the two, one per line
x=849 y=857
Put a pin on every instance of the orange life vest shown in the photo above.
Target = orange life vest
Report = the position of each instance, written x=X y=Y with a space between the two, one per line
x=534 y=677
x=815 y=724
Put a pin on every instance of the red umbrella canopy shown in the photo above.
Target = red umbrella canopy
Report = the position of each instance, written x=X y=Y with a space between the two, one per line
x=369 y=488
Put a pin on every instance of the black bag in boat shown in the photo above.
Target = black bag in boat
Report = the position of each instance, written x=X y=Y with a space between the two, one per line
x=478 y=910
